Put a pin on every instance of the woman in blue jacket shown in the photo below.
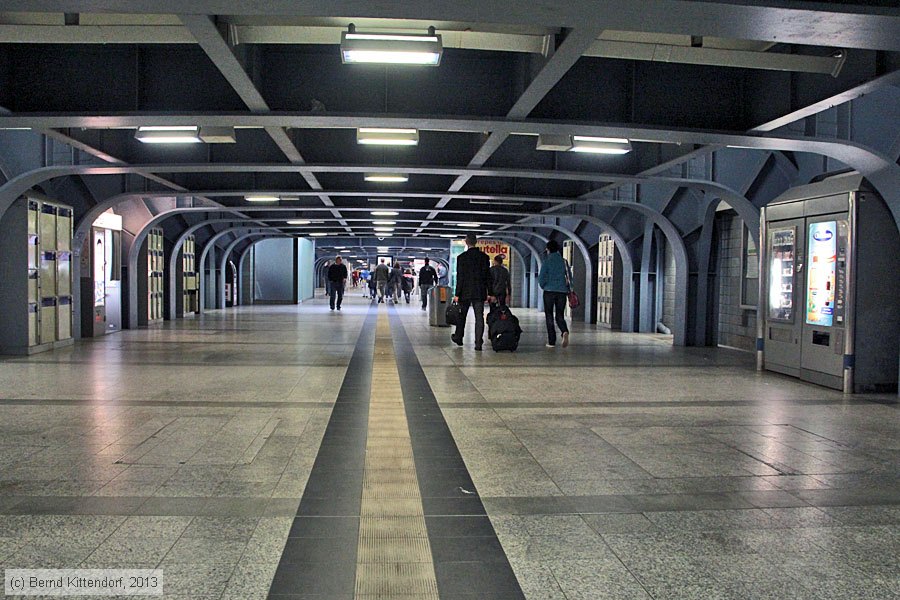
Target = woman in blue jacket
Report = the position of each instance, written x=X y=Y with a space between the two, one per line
x=554 y=280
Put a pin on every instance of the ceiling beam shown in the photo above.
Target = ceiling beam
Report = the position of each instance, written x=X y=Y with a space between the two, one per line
x=220 y=53
x=849 y=25
x=555 y=67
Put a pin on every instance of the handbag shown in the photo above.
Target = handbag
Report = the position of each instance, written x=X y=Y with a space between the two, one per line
x=453 y=315
x=574 y=300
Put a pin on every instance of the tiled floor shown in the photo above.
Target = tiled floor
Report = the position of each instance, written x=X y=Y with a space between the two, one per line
x=620 y=467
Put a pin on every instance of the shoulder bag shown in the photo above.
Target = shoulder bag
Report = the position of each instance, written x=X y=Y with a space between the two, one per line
x=574 y=301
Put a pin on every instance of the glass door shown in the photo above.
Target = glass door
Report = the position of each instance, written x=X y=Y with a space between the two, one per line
x=783 y=261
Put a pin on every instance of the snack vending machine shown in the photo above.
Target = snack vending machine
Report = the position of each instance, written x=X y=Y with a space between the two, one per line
x=829 y=310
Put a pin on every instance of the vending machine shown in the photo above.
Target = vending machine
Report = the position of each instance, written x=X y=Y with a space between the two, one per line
x=829 y=311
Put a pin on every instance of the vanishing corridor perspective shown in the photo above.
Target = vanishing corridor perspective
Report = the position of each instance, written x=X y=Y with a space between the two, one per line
x=450 y=300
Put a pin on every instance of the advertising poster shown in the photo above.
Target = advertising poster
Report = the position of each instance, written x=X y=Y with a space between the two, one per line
x=492 y=248
x=457 y=247
x=821 y=275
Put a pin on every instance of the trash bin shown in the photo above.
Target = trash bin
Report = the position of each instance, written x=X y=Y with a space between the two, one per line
x=438 y=298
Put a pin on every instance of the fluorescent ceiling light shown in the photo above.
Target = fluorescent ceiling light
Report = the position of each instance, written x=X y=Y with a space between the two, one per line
x=600 y=145
x=295 y=222
x=384 y=222
x=468 y=224
x=346 y=250
x=495 y=202
x=383 y=235
x=262 y=198
x=387 y=178
x=166 y=134
x=583 y=143
x=384 y=229
x=318 y=234
x=339 y=247
x=384 y=213
x=392 y=48
x=448 y=235
x=385 y=199
x=387 y=137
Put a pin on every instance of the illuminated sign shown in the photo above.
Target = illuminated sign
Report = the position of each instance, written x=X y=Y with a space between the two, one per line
x=820 y=278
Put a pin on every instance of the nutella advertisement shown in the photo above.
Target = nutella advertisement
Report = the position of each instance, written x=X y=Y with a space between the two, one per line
x=492 y=248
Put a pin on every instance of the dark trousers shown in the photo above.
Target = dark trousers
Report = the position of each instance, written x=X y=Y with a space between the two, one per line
x=478 y=307
x=501 y=299
x=424 y=289
x=555 y=301
x=336 y=289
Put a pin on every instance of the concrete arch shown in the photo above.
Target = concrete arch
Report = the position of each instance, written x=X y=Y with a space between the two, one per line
x=176 y=250
x=243 y=256
x=674 y=237
x=206 y=248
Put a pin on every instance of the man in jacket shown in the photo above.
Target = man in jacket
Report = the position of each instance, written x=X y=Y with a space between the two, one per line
x=501 y=282
x=427 y=279
x=382 y=274
x=554 y=279
x=395 y=283
x=337 y=279
x=473 y=280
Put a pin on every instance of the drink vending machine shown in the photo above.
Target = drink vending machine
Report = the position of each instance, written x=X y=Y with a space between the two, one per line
x=829 y=309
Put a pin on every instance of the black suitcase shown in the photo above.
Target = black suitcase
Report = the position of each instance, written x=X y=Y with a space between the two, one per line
x=503 y=329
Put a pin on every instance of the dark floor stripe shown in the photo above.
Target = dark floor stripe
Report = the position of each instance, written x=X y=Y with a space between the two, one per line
x=468 y=560
x=319 y=558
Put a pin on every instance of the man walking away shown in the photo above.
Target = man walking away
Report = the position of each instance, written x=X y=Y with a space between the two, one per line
x=501 y=282
x=382 y=274
x=554 y=280
x=337 y=279
x=473 y=280
x=427 y=279
x=395 y=283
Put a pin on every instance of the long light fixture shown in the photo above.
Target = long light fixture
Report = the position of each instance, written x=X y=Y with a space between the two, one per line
x=468 y=224
x=391 y=48
x=168 y=134
x=318 y=234
x=262 y=198
x=384 y=222
x=378 y=136
x=298 y=222
x=385 y=199
x=448 y=235
x=583 y=143
x=387 y=178
x=384 y=229
x=600 y=145
x=495 y=202
x=384 y=213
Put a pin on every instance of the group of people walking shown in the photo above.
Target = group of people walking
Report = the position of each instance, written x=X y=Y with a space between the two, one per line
x=477 y=282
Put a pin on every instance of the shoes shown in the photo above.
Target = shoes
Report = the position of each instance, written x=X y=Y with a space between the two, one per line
x=423 y=308
x=565 y=338
x=332 y=308
x=455 y=340
x=339 y=308
x=551 y=345
x=478 y=348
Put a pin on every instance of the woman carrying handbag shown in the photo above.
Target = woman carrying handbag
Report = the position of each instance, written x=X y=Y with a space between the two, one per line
x=554 y=279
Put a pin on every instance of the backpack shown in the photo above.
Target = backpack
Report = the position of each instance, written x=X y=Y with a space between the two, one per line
x=503 y=329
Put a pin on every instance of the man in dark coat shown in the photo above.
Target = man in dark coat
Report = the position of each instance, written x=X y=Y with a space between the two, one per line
x=337 y=279
x=473 y=282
